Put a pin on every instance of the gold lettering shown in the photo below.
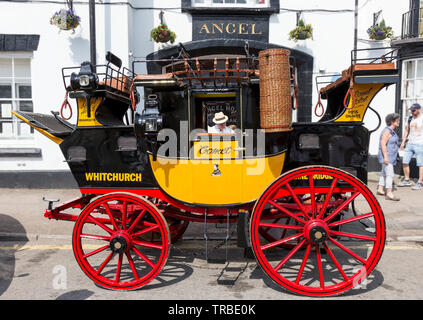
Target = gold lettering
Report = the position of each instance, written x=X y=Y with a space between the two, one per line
x=219 y=28
x=233 y=28
x=204 y=27
x=138 y=177
x=243 y=28
x=253 y=29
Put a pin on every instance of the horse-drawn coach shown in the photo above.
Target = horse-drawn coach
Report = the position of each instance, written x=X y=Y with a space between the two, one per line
x=213 y=141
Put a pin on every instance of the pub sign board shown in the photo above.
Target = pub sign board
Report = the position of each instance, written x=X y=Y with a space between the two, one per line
x=230 y=27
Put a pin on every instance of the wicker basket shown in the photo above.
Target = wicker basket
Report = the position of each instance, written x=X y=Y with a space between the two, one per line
x=275 y=91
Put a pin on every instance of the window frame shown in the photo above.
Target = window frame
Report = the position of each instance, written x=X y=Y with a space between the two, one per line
x=406 y=102
x=16 y=138
x=248 y=4
x=271 y=7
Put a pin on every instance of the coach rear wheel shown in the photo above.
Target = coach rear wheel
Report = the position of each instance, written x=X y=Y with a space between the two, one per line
x=309 y=209
x=111 y=241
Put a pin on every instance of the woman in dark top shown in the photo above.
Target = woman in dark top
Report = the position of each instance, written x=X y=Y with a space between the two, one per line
x=387 y=156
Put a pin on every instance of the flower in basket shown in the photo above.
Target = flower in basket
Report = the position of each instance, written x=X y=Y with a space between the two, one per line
x=162 y=34
x=380 y=31
x=301 y=32
x=65 y=19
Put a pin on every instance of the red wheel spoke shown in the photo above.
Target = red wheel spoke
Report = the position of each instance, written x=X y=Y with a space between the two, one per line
x=268 y=228
x=147 y=244
x=354 y=255
x=141 y=214
x=105 y=263
x=342 y=206
x=281 y=208
x=345 y=221
x=300 y=272
x=312 y=195
x=319 y=266
x=109 y=213
x=131 y=263
x=94 y=237
x=335 y=262
x=280 y=226
x=276 y=243
x=119 y=268
x=328 y=196
x=354 y=236
x=297 y=201
x=94 y=220
x=95 y=251
x=146 y=230
x=142 y=256
x=124 y=209
x=297 y=247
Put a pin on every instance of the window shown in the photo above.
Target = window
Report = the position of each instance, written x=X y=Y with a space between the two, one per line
x=412 y=86
x=15 y=95
x=421 y=19
x=230 y=3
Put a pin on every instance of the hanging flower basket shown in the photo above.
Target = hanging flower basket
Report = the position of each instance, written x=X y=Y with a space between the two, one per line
x=162 y=34
x=380 y=31
x=301 y=32
x=65 y=19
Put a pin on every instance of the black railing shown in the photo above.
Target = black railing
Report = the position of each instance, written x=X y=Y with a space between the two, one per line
x=410 y=24
x=374 y=55
x=109 y=78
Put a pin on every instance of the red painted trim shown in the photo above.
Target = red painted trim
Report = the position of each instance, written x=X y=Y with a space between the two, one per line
x=157 y=193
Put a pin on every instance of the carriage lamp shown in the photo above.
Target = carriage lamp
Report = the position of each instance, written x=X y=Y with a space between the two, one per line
x=85 y=79
x=150 y=122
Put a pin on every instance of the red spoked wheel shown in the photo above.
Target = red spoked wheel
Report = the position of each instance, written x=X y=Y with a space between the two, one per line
x=312 y=243
x=112 y=241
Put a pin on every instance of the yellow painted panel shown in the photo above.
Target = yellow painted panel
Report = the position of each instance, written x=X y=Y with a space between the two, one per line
x=364 y=94
x=83 y=119
x=240 y=180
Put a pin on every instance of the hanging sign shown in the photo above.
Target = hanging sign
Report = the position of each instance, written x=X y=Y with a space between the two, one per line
x=230 y=27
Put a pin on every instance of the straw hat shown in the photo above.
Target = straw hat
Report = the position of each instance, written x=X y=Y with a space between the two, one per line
x=219 y=118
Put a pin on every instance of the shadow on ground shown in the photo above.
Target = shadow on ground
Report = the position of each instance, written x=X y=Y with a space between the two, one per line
x=10 y=243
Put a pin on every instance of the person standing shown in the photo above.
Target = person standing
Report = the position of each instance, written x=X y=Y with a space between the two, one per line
x=387 y=156
x=414 y=134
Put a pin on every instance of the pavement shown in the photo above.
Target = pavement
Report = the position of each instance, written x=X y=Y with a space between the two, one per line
x=22 y=210
x=404 y=218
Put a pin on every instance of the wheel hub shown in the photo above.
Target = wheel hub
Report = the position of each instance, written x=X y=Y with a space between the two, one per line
x=120 y=243
x=316 y=231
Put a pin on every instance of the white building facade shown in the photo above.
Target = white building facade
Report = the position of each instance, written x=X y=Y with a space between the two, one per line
x=32 y=53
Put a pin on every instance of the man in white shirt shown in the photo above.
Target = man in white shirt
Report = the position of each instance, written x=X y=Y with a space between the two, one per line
x=414 y=133
x=220 y=120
